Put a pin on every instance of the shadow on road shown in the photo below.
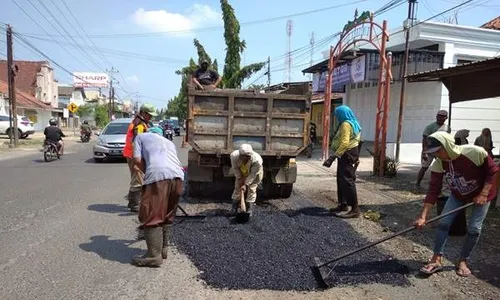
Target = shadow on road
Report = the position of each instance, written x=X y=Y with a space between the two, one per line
x=122 y=210
x=112 y=250
x=106 y=161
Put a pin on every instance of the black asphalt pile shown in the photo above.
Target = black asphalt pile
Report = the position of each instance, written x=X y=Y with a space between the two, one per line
x=275 y=251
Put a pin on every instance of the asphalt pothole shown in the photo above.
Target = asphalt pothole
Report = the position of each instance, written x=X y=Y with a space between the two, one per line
x=276 y=251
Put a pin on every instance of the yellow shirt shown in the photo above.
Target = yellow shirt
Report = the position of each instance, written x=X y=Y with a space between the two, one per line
x=345 y=139
x=244 y=170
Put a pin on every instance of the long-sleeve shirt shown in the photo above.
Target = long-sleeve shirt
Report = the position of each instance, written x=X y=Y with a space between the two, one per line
x=345 y=139
x=466 y=175
x=252 y=169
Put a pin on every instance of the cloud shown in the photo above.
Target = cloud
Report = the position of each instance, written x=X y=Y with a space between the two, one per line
x=197 y=16
x=133 y=79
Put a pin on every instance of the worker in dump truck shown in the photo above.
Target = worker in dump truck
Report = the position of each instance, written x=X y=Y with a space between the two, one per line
x=156 y=156
x=470 y=173
x=205 y=78
x=139 y=125
x=246 y=165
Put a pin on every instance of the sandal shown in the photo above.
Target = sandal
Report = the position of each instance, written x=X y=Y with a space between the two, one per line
x=463 y=272
x=434 y=267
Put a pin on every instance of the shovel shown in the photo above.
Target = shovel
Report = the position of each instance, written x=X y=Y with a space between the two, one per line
x=188 y=216
x=322 y=270
x=242 y=216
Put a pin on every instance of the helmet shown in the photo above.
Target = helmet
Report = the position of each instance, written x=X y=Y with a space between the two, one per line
x=85 y=122
x=148 y=108
x=53 y=121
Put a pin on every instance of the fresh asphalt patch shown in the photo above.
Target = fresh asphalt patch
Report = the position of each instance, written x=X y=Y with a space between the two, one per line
x=275 y=251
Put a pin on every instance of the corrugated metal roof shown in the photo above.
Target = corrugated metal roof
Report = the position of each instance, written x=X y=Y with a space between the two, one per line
x=436 y=74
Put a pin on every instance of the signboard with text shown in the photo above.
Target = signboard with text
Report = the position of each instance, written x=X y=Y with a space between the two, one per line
x=90 y=80
x=341 y=77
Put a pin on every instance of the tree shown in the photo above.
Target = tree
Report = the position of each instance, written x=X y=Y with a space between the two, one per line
x=233 y=74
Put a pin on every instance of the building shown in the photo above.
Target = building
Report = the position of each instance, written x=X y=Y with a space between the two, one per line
x=36 y=79
x=433 y=46
x=27 y=105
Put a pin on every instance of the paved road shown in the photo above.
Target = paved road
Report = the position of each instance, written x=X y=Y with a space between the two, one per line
x=66 y=233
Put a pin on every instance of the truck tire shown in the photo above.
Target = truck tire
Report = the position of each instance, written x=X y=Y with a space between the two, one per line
x=286 y=190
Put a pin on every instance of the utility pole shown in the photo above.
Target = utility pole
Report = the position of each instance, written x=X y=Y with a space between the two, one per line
x=408 y=24
x=12 y=91
x=268 y=71
x=111 y=101
x=311 y=42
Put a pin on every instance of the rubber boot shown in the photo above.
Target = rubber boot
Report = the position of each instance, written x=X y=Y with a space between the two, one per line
x=133 y=200
x=154 y=241
x=249 y=206
x=234 y=208
x=166 y=237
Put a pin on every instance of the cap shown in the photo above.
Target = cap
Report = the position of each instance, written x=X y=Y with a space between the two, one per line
x=150 y=109
x=443 y=113
x=246 y=149
x=156 y=130
x=433 y=145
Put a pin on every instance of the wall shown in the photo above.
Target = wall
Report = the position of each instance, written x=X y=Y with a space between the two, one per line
x=46 y=90
x=422 y=103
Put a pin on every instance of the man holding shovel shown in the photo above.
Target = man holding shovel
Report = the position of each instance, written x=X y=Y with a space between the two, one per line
x=469 y=172
x=162 y=186
x=246 y=165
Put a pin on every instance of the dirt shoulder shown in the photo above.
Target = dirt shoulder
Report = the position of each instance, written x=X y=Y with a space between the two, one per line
x=398 y=202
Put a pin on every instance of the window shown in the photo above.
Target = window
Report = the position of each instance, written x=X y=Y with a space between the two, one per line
x=463 y=61
x=116 y=128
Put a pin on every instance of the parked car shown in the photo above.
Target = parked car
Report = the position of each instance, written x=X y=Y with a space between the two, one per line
x=24 y=126
x=111 y=140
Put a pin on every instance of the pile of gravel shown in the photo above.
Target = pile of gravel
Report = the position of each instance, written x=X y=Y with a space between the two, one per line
x=275 y=251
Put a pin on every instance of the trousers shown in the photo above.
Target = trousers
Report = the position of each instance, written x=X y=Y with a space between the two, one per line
x=346 y=178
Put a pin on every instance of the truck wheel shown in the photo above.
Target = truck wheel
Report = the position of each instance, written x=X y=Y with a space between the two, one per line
x=286 y=190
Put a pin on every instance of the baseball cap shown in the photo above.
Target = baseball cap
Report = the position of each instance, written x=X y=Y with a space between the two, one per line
x=443 y=113
x=433 y=145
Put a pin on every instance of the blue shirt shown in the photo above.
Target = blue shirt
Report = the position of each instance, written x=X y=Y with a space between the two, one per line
x=160 y=157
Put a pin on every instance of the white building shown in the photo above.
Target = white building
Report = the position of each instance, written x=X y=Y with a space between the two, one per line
x=457 y=45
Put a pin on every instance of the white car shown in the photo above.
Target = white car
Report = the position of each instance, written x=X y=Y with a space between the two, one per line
x=24 y=126
x=111 y=140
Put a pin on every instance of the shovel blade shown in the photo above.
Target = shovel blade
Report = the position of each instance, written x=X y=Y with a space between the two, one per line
x=242 y=217
x=192 y=217
x=321 y=272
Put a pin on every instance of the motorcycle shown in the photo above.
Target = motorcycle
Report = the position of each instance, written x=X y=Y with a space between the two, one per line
x=169 y=134
x=50 y=151
x=85 y=136
x=312 y=140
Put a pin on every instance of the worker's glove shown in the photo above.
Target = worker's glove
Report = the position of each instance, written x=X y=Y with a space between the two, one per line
x=328 y=163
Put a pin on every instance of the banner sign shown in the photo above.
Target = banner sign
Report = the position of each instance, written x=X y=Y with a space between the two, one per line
x=90 y=80
x=341 y=77
x=358 y=69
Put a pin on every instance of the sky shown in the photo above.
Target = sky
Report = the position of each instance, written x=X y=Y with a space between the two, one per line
x=148 y=40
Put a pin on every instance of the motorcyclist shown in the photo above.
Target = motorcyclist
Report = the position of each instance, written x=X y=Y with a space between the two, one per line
x=54 y=134
x=85 y=128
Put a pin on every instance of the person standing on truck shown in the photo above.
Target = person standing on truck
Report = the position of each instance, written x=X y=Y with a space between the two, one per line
x=138 y=125
x=470 y=173
x=205 y=78
x=345 y=145
x=247 y=166
x=156 y=156
x=426 y=160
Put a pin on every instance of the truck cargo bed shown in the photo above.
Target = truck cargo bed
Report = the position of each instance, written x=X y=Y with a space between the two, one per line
x=274 y=124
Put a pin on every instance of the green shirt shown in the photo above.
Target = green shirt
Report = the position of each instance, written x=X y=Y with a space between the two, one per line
x=434 y=127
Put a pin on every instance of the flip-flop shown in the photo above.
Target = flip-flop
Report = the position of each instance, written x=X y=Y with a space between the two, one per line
x=462 y=273
x=435 y=268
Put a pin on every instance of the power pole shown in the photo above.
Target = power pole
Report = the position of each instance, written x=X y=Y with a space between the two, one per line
x=111 y=101
x=311 y=42
x=268 y=71
x=12 y=90
x=408 y=24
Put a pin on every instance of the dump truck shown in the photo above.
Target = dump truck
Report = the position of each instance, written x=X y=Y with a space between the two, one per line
x=276 y=125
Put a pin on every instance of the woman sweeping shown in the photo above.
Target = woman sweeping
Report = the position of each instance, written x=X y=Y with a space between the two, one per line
x=345 y=147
